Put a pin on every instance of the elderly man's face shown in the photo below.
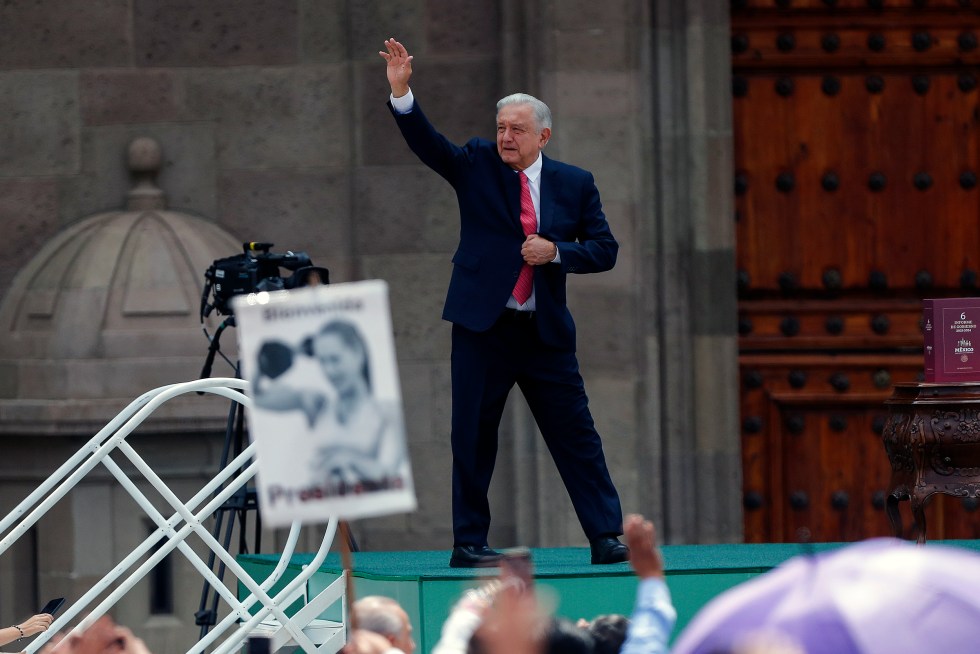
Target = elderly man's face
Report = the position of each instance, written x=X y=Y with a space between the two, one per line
x=519 y=139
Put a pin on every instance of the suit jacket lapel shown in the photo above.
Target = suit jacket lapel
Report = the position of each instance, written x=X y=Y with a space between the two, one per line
x=550 y=187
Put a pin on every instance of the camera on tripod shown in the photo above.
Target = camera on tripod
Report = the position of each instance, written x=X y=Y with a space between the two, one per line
x=255 y=270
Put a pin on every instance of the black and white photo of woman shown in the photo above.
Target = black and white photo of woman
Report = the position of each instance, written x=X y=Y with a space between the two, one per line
x=362 y=443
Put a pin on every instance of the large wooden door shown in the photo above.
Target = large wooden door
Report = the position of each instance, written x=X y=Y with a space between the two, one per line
x=856 y=156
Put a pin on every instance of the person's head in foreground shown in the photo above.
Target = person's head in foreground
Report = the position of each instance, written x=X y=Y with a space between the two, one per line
x=386 y=617
x=608 y=632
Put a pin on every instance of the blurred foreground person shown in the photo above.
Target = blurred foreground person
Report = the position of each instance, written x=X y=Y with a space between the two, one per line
x=385 y=616
x=103 y=637
x=608 y=632
x=562 y=636
x=500 y=617
x=363 y=641
x=882 y=596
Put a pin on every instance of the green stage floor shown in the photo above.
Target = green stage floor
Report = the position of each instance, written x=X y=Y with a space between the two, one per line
x=427 y=587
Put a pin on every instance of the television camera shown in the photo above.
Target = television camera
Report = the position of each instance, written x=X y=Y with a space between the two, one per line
x=257 y=269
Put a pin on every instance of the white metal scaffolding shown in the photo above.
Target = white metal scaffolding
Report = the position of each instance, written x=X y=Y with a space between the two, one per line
x=304 y=629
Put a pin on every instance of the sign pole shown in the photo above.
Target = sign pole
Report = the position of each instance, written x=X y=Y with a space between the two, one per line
x=347 y=561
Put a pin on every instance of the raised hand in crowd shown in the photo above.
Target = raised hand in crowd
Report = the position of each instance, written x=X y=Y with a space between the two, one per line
x=641 y=537
x=500 y=617
x=512 y=620
x=32 y=625
x=654 y=615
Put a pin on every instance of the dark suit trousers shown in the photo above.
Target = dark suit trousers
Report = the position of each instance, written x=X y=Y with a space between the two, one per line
x=485 y=366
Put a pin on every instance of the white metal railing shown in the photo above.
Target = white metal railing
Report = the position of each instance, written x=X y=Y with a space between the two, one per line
x=188 y=518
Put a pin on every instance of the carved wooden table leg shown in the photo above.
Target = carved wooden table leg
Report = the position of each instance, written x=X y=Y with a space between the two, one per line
x=932 y=440
x=919 y=519
x=894 y=515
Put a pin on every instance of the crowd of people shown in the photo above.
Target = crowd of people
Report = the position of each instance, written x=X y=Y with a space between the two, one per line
x=880 y=596
x=874 y=597
x=500 y=617
x=503 y=616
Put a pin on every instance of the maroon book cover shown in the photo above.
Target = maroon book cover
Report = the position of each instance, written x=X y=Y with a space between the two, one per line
x=951 y=339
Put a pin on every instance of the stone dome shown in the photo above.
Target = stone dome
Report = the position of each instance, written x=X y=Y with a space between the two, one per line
x=108 y=309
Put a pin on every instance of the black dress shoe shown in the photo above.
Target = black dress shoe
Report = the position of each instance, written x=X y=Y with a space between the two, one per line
x=473 y=556
x=607 y=549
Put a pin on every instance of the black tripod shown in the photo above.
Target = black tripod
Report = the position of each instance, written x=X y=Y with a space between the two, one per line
x=237 y=506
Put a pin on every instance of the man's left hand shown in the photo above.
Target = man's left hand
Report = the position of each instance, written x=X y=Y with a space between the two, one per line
x=538 y=250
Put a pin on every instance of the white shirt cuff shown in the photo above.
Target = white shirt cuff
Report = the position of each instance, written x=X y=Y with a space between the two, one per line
x=404 y=104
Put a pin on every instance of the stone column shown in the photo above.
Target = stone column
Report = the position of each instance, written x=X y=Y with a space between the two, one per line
x=691 y=301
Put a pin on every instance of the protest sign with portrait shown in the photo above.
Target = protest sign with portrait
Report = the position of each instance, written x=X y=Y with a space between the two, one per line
x=326 y=416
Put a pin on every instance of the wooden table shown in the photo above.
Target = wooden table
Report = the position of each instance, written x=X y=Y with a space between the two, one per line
x=932 y=438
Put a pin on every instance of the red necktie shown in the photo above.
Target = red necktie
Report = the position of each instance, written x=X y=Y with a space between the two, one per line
x=529 y=221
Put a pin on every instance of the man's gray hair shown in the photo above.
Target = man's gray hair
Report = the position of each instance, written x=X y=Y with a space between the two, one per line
x=375 y=613
x=542 y=114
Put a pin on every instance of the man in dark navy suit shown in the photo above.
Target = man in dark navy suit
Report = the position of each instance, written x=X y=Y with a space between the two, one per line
x=525 y=221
